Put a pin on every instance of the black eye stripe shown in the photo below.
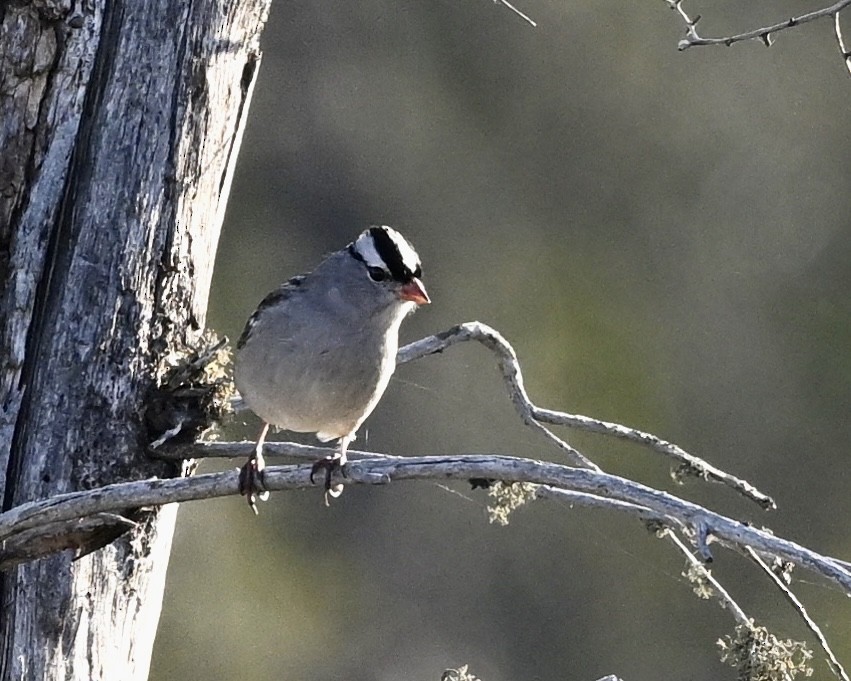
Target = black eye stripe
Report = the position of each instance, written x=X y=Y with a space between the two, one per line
x=389 y=252
x=377 y=274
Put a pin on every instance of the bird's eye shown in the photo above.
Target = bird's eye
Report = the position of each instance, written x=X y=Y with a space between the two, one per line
x=418 y=272
x=376 y=273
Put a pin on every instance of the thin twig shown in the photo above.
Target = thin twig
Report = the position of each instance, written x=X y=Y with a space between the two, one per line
x=516 y=11
x=536 y=416
x=764 y=33
x=507 y=360
x=833 y=662
x=724 y=598
x=120 y=497
x=689 y=464
x=650 y=518
x=837 y=31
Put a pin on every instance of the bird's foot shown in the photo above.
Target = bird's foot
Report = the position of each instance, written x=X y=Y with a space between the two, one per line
x=329 y=464
x=251 y=484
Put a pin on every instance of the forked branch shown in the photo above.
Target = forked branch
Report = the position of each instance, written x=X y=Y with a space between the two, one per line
x=44 y=526
x=536 y=417
x=764 y=34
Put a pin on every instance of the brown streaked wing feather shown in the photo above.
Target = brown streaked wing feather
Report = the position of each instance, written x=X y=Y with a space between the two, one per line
x=276 y=297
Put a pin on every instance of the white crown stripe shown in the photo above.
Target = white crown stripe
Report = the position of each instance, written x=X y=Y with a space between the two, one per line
x=366 y=247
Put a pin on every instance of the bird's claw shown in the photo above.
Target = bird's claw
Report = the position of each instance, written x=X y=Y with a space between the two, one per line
x=329 y=464
x=251 y=483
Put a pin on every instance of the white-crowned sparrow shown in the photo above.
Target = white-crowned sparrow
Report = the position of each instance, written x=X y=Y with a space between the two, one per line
x=318 y=353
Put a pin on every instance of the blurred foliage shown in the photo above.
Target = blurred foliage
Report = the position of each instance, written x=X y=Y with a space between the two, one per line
x=664 y=237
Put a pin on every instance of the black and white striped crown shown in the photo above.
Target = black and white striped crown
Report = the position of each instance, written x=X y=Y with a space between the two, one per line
x=385 y=248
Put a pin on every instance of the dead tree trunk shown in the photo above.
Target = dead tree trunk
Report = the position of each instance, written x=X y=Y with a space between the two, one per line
x=119 y=126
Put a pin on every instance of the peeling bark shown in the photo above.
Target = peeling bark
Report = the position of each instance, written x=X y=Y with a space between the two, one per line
x=119 y=126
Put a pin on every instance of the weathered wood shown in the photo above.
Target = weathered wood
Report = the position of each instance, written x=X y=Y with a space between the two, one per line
x=119 y=126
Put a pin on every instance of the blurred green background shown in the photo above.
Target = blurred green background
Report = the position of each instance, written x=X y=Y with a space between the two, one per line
x=665 y=239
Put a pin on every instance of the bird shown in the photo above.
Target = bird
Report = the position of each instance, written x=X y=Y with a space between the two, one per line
x=317 y=354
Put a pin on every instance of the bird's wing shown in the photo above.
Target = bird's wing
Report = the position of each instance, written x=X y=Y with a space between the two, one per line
x=282 y=293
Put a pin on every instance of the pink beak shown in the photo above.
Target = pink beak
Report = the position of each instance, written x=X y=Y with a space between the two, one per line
x=415 y=292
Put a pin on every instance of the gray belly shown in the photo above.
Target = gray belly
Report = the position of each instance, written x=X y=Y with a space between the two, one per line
x=326 y=386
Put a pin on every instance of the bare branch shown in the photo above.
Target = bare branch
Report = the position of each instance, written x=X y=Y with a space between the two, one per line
x=653 y=520
x=37 y=528
x=720 y=593
x=508 y=363
x=120 y=497
x=532 y=415
x=833 y=662
x=535 y=416
x=507 y=360
x=837 y=31
x=516 y=11
x=763 y=34
x=689 y=464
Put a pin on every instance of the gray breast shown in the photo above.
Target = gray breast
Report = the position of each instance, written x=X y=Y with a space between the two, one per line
x=309 y=362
